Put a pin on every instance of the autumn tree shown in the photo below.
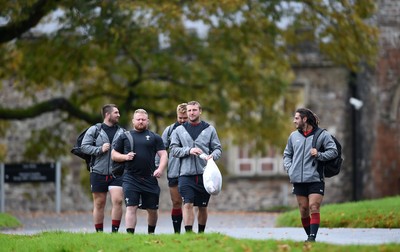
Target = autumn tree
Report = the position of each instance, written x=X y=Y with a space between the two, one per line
x=71 y=57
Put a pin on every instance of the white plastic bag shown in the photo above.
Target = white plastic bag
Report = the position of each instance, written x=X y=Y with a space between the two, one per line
x=212 y=178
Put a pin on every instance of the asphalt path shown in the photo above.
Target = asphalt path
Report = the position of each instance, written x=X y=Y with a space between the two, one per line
x=248 y=225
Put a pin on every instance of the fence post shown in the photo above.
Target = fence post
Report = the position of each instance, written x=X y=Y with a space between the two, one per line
x=58 y=187
x=2 y=201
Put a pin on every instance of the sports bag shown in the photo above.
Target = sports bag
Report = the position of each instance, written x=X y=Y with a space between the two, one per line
x=76 y=150
x=119 y=167
x=331 y=167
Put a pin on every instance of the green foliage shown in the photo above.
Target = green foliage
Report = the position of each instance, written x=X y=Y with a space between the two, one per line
x=61 y=241
x=8 y=221
x=378 y=213
x=110 y=52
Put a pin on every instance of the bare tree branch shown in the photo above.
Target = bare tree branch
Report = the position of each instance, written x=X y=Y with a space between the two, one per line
x=44 y=107
x=37 y=12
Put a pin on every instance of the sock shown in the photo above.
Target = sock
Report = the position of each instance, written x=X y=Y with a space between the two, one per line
x=188 y=229
x=99 y=227
x=151 y=229
x=130 y=230
x=176 y=216
x=306 y=224
x=315 y=220
x=202 y=228
x=115 y=225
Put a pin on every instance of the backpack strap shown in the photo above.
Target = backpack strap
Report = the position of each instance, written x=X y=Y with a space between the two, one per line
x=315 y=138
x=96 y=134
x=170 y=129
x=314 y=145
x=130 y=139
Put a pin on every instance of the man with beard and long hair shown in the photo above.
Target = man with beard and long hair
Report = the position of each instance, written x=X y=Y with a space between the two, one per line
x=101 y=177
x=299 y=160
x=140 y=183
x=188 y=142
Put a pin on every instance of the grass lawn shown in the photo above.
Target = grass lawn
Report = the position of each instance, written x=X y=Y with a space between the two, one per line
x=62 y=241
x=379 y=213
x=8 y=221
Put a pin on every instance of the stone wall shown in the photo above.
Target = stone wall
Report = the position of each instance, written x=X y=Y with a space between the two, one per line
x=325 y=90
x=379 y=88
x=245 y=194
x=238 y=194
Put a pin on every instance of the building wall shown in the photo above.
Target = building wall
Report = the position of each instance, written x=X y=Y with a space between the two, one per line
x=379 y=158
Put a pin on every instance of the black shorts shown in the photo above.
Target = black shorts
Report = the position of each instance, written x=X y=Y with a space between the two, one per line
x=192 y=190
x=101 y=183
x=143 y=192
x=172 y=182
x=305 y=189
x=144 y=200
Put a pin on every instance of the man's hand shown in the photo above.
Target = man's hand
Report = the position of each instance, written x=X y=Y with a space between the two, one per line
x=195 y=151
x=314 y=152
x=130 y=156
x=105 y=147
x=157 y=173
x=206 y=157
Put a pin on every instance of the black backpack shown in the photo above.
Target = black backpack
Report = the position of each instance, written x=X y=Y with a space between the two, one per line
x=76 y=150
x=119 y=167
x=331 y=167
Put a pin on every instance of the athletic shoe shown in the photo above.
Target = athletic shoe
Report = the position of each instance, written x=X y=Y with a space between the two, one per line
x=311 y=238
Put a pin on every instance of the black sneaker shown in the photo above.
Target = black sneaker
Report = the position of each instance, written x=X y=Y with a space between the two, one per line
x=311 y=238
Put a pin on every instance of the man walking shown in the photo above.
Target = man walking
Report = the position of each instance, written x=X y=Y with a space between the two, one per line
x=173 y=169
x=140 y=183
x=188 y=141
x=300 y=161
x=101 y=178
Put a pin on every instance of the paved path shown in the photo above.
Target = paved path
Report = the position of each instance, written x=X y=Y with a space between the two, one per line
x=234 y=224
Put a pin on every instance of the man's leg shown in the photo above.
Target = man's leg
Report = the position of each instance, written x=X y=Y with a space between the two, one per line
x=202 y=216
x=152 y=218
x=117 y=195
x=176 y=212
x=304 y=212
x=131 y=218
x=99 y=203
x=186 y=189
x=315 y=201
x=188 y=216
